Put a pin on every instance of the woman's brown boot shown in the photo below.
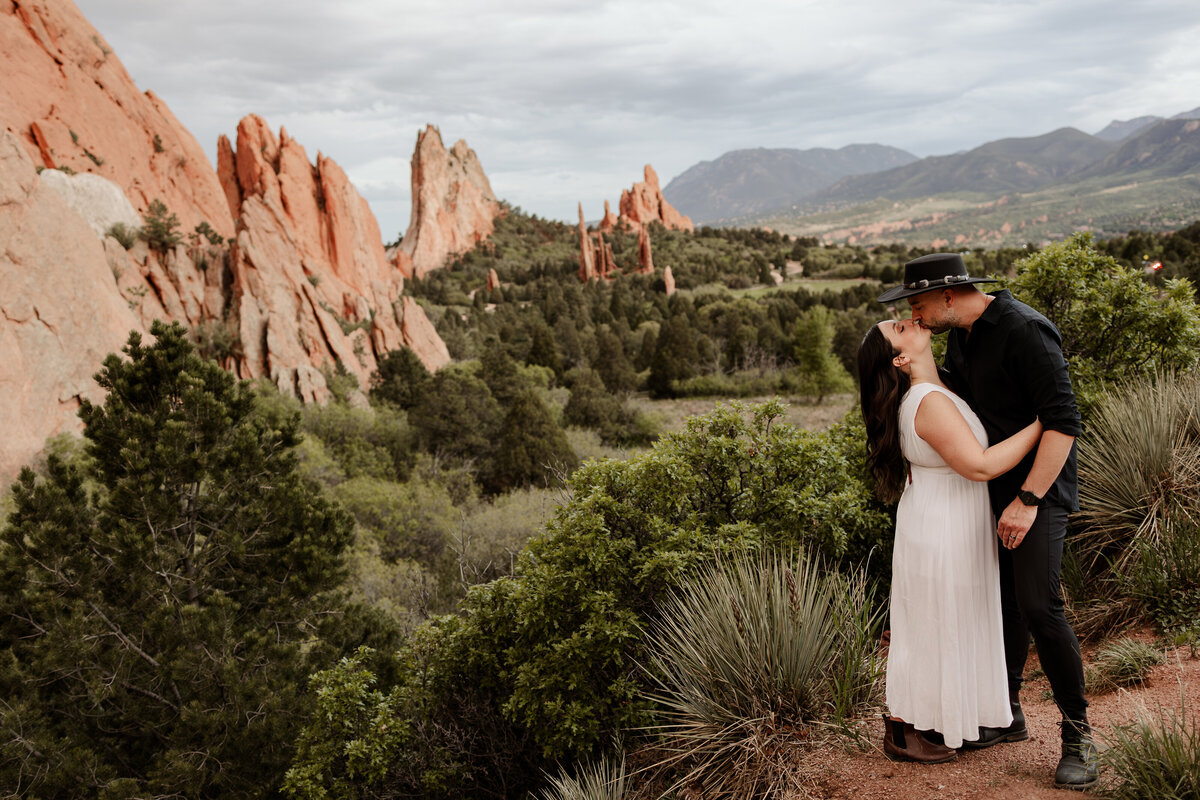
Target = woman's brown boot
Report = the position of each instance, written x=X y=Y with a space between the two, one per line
x=902 y=742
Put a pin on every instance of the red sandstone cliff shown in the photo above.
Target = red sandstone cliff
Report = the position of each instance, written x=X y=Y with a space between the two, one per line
x=299 y=282
x=453 y=207
x=311 y=282
x=71 y=103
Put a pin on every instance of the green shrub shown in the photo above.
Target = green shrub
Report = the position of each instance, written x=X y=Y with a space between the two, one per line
x=542 y=666
x=1115 y=326
x=365 y=442
x=1121 y=663
x=746 y=656
x=1154 y=758
x=160 y=227
x=126 y=235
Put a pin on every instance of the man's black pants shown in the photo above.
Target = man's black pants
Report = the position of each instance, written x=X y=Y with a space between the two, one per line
x=1031 y=602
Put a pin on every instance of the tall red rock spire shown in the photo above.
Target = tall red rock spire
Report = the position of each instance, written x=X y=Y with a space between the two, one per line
x=453 y=206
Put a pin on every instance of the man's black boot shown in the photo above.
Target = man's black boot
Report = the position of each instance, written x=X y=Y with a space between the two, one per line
x=1016 y=732
x=1079 y=767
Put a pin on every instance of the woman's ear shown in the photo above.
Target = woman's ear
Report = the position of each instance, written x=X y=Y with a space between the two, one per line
x=901 y=361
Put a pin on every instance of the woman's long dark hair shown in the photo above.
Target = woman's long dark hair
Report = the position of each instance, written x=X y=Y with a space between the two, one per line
x=881 y=386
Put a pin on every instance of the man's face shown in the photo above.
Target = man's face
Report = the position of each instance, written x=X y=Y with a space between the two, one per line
x=929 y=309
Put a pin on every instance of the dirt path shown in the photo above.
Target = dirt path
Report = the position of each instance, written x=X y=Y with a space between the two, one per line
x=1013 y=771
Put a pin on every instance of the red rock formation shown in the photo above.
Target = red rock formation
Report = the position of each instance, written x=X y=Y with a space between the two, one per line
x=587 y=251
x=453 y=207
x=61 y=311
x=493 y=280
x=311 y=281
x=669 y=280
x=610 y=219
x=645 y=258
x=606 y=265
x=72 y=104
x=644 y=203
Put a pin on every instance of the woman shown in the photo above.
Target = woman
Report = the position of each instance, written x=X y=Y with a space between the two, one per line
x=945 y=670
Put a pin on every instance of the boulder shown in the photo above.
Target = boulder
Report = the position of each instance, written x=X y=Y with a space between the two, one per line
x=98 y=200
x=61 y=311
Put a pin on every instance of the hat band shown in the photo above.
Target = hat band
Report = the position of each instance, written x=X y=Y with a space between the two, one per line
x=925 y=284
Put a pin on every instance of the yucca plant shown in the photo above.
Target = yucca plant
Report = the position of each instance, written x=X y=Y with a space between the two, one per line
x=1139 y=465
x=1154 y=758
x=604 y=779
x=1122 y=663
x=753 y=656
x=1139 y=487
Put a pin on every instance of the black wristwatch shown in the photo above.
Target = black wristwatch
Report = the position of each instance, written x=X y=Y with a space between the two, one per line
x=1029 y=498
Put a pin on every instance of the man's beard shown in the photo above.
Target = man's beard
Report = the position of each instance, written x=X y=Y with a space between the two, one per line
x=939 y=328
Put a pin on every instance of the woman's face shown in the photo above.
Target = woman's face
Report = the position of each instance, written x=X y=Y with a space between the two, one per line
x=905 y=336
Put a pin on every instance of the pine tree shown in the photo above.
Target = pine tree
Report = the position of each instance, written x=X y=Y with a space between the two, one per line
x=821 y=374
x=156 y=632
x=531 y=450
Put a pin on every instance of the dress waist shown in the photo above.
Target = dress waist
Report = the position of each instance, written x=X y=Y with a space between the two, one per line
x=942 y=469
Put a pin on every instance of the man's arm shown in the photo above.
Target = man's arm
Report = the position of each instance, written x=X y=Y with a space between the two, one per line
x=1052 y=454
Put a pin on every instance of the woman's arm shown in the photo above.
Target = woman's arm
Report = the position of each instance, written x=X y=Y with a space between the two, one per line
x=940 y=423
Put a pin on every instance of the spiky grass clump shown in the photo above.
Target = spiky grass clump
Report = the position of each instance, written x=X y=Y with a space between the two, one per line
x=605 y=779
x=1155 y=758
x=1122 y=663
x=753 y=658
x=1139 y=477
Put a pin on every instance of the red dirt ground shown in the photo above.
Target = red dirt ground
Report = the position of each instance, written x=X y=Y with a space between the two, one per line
x=1014 y=771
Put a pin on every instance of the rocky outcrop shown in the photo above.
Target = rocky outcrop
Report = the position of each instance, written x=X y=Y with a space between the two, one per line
x=310 y=280
x=61 y=311
x=493 y=280
x=587 y=251
x=73 y=106
x=668 y=280
x=299 y=283
x=610 y=220
x=644 y=203
x=645 y=257
x=453 y=206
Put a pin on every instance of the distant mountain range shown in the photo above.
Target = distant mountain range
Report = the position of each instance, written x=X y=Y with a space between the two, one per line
x=751 y=181
x=1139 y=171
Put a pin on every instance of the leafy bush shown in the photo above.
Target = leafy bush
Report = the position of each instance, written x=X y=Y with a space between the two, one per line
x=1155 y=758
x=542 y=665
x=746 y=655
x=1114 y=325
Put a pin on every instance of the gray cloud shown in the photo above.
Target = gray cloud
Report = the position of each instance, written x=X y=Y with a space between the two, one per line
x=564 y=102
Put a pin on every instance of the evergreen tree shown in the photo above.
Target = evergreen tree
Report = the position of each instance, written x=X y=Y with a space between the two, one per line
x=401 y=379
x=457 y=417
x=531 y=449
x=156 y=632
x=543 y=351
x=821 y=374
x=675 y=356
x=612 y=364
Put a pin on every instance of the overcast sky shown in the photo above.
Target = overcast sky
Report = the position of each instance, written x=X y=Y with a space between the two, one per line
x=566 y=101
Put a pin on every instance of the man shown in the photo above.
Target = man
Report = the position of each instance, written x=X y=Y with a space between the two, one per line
x=1005 y=359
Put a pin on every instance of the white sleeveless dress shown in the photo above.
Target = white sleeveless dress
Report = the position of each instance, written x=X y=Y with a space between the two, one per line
x=945 y=667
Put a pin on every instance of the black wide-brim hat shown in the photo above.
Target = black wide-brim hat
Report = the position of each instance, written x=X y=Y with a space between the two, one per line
x=929 y=273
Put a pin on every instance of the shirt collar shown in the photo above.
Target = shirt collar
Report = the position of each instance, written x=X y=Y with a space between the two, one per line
x=991 y=314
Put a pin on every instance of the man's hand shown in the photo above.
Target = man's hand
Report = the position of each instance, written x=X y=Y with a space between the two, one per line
x=1014 y=523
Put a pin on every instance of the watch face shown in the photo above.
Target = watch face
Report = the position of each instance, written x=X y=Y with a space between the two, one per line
x=1028 y=498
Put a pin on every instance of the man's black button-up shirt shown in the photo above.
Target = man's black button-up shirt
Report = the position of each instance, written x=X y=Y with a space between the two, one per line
x=1010 y=369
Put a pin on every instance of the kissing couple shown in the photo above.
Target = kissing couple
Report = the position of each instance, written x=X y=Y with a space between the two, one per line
x=981 y=454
